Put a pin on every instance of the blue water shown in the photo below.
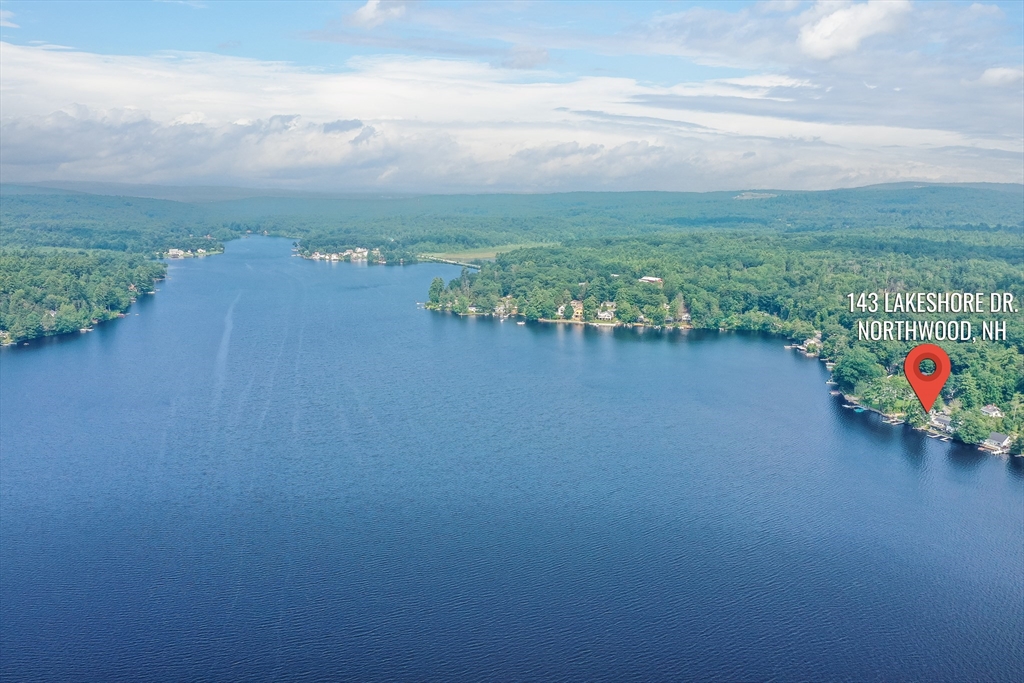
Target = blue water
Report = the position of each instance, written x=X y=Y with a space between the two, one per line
x=285 y=470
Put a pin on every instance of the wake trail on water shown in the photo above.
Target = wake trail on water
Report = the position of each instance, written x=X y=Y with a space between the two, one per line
x=255 y=373
x=297 y=367
x=220 y=367
x=268 y=394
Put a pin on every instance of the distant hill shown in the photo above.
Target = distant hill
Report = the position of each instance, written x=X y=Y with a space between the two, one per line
x=212 y=193
x=129 y=218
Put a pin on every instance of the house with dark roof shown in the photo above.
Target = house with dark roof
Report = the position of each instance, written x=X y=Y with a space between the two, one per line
x=943 y=422
x=997 y=443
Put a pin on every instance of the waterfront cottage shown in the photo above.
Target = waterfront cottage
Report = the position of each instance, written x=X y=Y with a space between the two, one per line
x=997 y=442
x=943 y=422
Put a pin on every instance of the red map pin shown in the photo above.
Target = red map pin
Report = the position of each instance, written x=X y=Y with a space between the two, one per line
x=927 y=387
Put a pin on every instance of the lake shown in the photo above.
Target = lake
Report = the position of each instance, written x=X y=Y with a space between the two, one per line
x=281 y=469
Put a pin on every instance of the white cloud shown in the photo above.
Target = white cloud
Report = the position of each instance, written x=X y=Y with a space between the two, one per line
x=525 y=57
x=980 y=8
x=5 y=19
x=769 y=81
x=878 y=110
x=843 y=26
x=1001 y=76
x=778 y=6
x=376 y=12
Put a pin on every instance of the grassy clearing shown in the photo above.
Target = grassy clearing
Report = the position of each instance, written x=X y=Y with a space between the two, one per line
x=486 y=253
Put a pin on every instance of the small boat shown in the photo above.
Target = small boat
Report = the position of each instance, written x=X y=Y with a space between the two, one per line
x=520 y=323
x=858 y=409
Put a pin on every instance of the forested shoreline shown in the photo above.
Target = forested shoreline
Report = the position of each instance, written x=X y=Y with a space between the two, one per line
x=58 y=291
x=777 y=262
x=71 y=260
x=791 y=284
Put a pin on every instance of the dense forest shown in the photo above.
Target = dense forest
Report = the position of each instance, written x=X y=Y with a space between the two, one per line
x=791 y=283
x=403 y=227
x=770 y=261
x=44 y=292
x=69 y=259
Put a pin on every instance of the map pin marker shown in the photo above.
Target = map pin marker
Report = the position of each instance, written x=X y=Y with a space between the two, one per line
x=927 y=387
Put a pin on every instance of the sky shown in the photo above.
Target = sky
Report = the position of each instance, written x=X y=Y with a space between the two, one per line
x=443 y=97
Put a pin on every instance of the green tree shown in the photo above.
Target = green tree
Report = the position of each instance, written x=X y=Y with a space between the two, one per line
x=970 y=427
x=436 y=288
x=857 y=366
x=68 y=319
x=627 y=312
x=916 y=416
x=655 y=315
x=966 y=389
x=27 y=326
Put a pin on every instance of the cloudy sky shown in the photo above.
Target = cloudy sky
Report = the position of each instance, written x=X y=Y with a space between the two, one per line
x=512 y=96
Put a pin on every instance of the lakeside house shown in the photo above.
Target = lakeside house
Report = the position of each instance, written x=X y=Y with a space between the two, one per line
x=997 y=442
x=506 y=307
x=577 y=309
x=606 y=311
x=991 y=411
x=357 y=254
x=816 y=340
x=811 y=345
x=175 y=253
x=943 y=422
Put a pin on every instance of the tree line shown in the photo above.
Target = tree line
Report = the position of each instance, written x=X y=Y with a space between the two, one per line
x=789 y=283
x=46 y=292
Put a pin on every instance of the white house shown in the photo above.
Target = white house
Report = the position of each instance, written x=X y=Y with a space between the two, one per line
x=997 y=442
x=991 y=411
